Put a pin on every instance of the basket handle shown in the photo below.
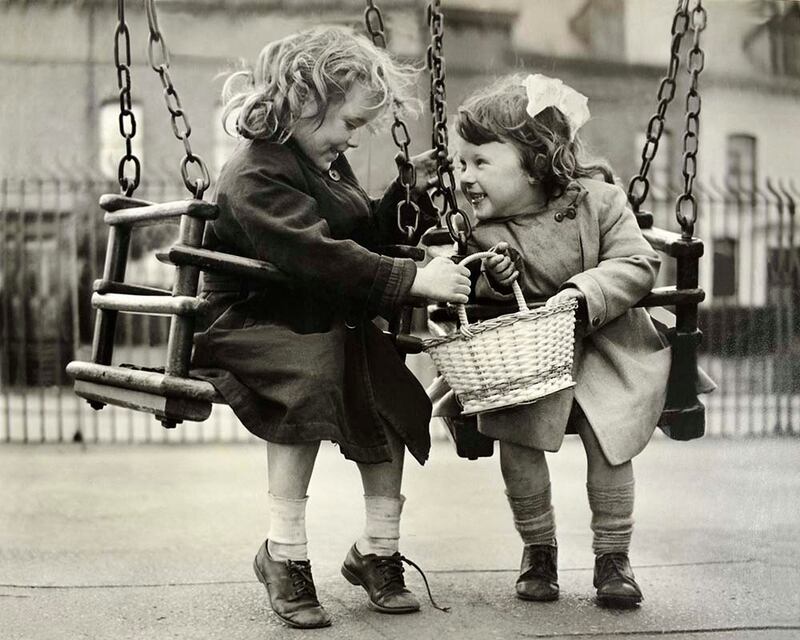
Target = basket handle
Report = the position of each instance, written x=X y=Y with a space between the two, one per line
x=515 y=288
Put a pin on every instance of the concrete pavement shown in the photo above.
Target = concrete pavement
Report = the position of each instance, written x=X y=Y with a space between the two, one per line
x=156 y=542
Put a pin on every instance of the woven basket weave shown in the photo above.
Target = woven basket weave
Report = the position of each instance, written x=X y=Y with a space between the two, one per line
x=509 y=360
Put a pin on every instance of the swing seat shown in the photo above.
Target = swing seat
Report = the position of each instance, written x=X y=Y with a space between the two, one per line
x=683 y=416
x=169 y=393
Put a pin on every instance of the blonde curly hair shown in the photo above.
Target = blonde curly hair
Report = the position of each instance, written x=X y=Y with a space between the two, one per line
x=318 y=66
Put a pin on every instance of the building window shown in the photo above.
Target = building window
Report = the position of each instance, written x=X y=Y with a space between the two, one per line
x=224 y=143
x=723 y=284
x=784 y=41
x=741 y=162
x=112 y=144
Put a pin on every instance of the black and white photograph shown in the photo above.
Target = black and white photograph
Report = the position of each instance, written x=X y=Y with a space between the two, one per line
x=402 y=319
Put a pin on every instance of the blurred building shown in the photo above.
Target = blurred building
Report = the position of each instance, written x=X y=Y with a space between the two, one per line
x=59 y=111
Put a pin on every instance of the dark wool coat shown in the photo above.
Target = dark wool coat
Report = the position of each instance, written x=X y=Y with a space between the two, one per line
x=303 y=362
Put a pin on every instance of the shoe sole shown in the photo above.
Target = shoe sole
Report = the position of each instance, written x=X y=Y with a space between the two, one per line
x=263 y=580
x=533 y=599
x=353 y=579
x=618 y=602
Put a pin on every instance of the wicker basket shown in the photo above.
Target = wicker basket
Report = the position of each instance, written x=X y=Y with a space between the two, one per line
x=513 y=359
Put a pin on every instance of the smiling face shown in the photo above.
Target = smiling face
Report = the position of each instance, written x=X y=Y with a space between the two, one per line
x=493 y=180
x=340 y=129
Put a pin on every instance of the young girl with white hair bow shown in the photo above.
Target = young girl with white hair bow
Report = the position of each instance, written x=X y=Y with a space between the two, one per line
x=564 y=234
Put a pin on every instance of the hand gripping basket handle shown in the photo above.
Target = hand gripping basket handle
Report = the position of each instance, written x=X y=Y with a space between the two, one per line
x=462 y=312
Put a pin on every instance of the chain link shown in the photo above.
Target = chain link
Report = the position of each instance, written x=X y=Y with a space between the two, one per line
x=457 y=221
x=127 y=120
x=686 y=205
x=407 y=210
x=158 y=57
x=639 y=186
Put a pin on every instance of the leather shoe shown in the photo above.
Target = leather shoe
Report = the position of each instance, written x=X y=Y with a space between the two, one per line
x=291 y=590
x=538 y=578
x=613 y=578
x=382 y=578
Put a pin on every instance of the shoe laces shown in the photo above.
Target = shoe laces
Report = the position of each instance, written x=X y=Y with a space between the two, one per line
x=614 y=565
x=541 y=560
x=300 y=574
x=399 y=559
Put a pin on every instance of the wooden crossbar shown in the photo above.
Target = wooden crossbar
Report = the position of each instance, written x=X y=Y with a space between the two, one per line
x=167 y=212
x=149 y=305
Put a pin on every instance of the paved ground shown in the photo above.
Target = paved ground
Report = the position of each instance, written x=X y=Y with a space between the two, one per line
x=156 y=542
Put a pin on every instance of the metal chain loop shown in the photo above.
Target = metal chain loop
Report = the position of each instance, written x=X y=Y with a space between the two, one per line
x=686 y=205
x=127 y=120
x=407 y=210
x=158 y=57
x=640 y=185
x=457 y=221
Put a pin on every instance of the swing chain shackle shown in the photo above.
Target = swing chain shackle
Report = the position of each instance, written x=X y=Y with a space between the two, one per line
x=686 y=204
x=407 y=210
x=457 y=221
x=127 y=119
x=639 y=186
x=158 y=57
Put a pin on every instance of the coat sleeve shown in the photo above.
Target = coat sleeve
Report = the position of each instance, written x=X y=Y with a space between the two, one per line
x=627 y=265
x=284 y=227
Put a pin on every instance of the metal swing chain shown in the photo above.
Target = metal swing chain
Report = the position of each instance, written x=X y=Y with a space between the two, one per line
x=127 y=121
x=666 y=92
x=695 y=61
x=158 y=57
x=457 y=221
x=407 y=210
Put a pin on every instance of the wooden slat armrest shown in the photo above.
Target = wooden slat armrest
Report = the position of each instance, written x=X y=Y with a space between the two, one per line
x=226 y=263
x=668 y=296
x=673 y=244
x=165 y=212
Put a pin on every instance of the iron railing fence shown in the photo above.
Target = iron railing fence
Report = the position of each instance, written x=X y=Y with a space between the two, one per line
x=52 y=245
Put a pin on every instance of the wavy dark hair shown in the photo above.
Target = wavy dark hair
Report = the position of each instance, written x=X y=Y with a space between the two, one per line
x=497 y=113
x=317 y=65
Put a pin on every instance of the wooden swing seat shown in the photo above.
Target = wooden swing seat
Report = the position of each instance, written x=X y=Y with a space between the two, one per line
x=170 y=394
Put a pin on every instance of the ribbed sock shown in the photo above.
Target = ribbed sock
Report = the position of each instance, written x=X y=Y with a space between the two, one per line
x=534 y=518
x=612 y=517
x=382 y=527
x=287 y=528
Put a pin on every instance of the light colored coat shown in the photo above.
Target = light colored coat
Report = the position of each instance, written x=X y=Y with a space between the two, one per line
x=589 y=239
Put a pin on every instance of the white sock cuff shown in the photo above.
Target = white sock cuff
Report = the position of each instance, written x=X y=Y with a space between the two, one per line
x=287 y=520
x=383 y=516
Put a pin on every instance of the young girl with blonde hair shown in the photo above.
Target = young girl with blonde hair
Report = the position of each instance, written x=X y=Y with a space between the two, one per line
x=300 y=361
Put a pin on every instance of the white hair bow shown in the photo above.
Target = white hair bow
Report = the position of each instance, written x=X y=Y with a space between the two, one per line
x=546 y=92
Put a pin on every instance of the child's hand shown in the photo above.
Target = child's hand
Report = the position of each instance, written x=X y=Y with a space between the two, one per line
x=442 y=280
x=500 y=267
x=425 y=167
x=563 y=296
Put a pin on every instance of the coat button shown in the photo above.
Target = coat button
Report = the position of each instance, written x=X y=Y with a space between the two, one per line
x=596 y=322
x=559 y=216
x=571 y=213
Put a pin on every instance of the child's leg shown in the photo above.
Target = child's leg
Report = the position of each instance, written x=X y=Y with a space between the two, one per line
x=281 y=563
x=383 y=502
x=373 y=562
x=289 y=468
x=610 y=489
x=527 y=481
